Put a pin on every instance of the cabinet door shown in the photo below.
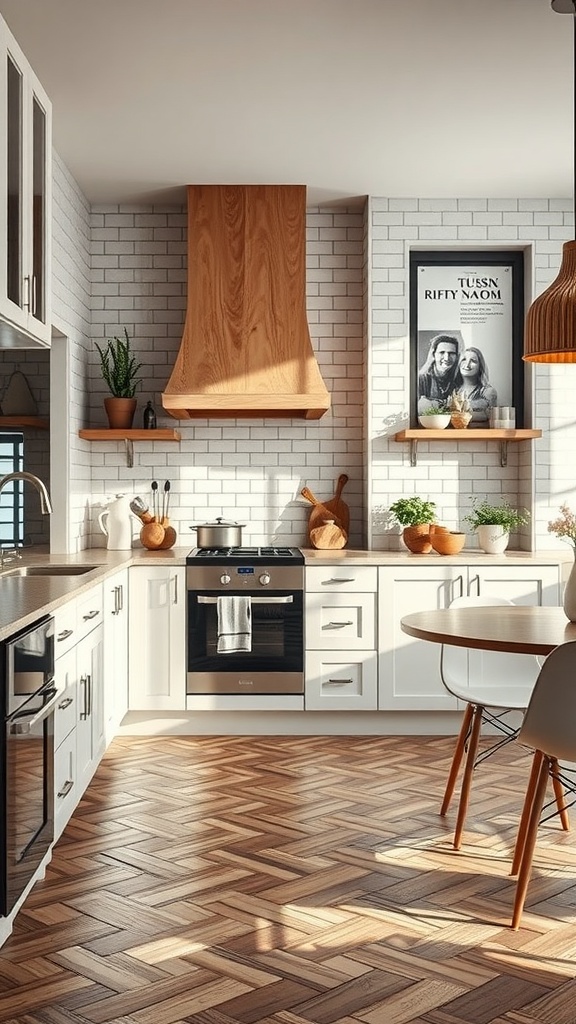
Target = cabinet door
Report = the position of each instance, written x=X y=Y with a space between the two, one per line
x=339 y=621
x=409 y=669
x=157 y=638
x=115 y=651
x=90 y=722
x=25 y=195
x=522 y=584
x=340 y=681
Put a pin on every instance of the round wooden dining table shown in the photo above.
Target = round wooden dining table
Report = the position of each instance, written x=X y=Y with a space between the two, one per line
x=519 y=629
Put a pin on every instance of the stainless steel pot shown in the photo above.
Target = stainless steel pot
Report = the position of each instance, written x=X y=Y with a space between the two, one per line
x=219 y=534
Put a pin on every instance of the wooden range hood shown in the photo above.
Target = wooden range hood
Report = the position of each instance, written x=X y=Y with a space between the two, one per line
x=246 y=348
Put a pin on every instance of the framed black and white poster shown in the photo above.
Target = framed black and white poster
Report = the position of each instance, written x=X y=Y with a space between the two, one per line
x=466 y=326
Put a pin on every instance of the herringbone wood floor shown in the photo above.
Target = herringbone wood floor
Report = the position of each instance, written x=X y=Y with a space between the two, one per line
x=283 y=880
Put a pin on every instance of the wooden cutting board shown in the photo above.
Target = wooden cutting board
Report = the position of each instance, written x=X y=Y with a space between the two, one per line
x=319 y=514
x=338 y=508
x=328 y=536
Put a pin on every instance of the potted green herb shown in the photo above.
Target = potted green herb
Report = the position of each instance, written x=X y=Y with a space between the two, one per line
x=415 y=515
x=436 y=417
x=119 y=370
x=493 y=524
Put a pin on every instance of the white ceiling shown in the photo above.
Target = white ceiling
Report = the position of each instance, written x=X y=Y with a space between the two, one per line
x=404 y=98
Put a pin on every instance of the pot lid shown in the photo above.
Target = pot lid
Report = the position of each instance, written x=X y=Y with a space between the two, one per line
x=219 y=522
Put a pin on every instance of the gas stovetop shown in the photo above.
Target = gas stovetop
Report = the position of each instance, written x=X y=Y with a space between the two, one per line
x=246 y=556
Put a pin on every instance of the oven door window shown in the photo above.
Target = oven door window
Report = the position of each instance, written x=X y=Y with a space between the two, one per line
x=277 y=634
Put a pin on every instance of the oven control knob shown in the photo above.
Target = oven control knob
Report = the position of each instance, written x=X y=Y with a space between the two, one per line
x=265 y=579
x=225 y=578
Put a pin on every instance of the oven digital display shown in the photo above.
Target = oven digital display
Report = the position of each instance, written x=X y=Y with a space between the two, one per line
x=245 y=570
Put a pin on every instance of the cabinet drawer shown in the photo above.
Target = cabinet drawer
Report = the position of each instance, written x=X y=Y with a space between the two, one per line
x=347 y=683
x=89 y=611
x=340 y=621
x=65 y=714
x=65 y=634
x=66 y=794
x=341 y=577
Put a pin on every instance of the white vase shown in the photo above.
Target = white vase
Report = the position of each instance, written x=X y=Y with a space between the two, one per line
x=569 y=600
x=493 y=539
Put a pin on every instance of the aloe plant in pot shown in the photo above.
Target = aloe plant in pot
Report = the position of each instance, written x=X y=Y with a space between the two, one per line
x=119 y=370
x=415 y=515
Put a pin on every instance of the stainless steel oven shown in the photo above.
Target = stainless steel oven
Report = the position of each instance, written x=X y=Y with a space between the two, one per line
x=266 y=655
x=27 y=756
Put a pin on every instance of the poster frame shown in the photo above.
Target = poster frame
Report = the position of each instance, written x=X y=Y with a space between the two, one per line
x=452 y=258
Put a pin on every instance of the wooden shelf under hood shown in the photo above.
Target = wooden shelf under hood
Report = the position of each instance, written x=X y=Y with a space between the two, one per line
x=246 y=348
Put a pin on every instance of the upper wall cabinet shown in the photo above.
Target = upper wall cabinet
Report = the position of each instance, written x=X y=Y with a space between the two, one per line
x=25 y=201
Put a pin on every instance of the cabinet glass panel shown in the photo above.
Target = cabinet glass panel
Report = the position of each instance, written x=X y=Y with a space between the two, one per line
x=14 y=190
x=38 y=211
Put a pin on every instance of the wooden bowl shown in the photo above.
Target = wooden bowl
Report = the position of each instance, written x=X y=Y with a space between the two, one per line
x=449 y=543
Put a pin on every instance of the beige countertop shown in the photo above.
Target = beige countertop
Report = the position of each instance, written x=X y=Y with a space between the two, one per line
x=25 y=599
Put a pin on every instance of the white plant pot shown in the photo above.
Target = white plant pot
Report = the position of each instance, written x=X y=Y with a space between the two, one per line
x=493 y=539
x=436 y=422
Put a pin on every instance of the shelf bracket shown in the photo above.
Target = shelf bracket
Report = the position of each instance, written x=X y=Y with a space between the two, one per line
x=413 y=453
x=129 y=452
x=503 y=453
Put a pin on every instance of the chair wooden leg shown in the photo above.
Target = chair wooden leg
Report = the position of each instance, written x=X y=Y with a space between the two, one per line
x=526 y=811
x=456 y=759
x=467 y=777
x=530 y=843
x=559 y=795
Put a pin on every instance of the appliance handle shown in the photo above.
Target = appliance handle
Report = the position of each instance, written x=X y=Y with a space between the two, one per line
x=17 y=728
x=254 y=600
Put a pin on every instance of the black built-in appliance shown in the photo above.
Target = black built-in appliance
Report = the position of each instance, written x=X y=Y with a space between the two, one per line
x=29 y=697
x=273 y=580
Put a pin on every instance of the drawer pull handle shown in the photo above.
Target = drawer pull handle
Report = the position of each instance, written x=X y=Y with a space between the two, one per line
x=66 y=703
x=338 y=625
x=341 y=579
x=64 y=635
x=91 y=615
x=68 y=785
x=339 y=682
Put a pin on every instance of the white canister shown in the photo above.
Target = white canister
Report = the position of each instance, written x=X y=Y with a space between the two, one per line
x=118 y=525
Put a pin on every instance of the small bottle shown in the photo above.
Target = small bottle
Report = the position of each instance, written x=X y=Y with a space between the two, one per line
x=149 y=417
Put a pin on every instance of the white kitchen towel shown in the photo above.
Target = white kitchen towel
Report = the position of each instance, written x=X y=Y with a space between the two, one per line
x=234 y=624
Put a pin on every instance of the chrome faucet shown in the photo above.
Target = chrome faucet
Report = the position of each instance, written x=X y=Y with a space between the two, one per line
x=45 y=505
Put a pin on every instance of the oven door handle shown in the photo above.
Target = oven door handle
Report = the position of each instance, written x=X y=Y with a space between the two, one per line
x=19 y=728
x=254 y=600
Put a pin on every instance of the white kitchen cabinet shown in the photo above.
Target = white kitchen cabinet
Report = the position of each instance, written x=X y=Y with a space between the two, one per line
x=66 y=789
x=90 y=738
x=340 y=632
x=115 y=651
x=157 y=638
x=79 y=739
x=25 y=199
x=409 y=669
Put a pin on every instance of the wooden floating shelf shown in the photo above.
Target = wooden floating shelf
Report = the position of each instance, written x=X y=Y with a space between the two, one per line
x=32 y=422
x=415 y=434
x=104 y=434
x=129 y=436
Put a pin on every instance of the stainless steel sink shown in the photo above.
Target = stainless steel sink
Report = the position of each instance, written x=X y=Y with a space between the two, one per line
x=47 y=570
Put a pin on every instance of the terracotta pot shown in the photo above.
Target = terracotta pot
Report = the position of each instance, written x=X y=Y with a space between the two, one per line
x=417 y=538
x=448 y=543
x=120 y=412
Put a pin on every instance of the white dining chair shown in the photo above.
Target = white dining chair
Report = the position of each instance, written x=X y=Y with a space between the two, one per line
x=549 y=728
x=492 y=684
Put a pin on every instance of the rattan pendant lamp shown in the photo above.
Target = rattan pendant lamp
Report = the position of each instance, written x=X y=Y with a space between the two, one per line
x=550 y=329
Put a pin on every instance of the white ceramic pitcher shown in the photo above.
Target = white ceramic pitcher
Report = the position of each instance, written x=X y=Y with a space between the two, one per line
x=118 y=525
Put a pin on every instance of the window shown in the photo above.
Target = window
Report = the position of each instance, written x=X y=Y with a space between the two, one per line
x=11 y=496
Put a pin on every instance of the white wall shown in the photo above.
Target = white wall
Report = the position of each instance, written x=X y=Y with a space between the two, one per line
x=248 y=470
x=539 y=474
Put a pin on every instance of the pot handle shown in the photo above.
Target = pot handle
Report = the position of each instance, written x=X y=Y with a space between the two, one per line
x=101 y=523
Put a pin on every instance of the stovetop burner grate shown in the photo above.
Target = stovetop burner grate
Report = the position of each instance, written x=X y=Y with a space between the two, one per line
x=247 y=554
